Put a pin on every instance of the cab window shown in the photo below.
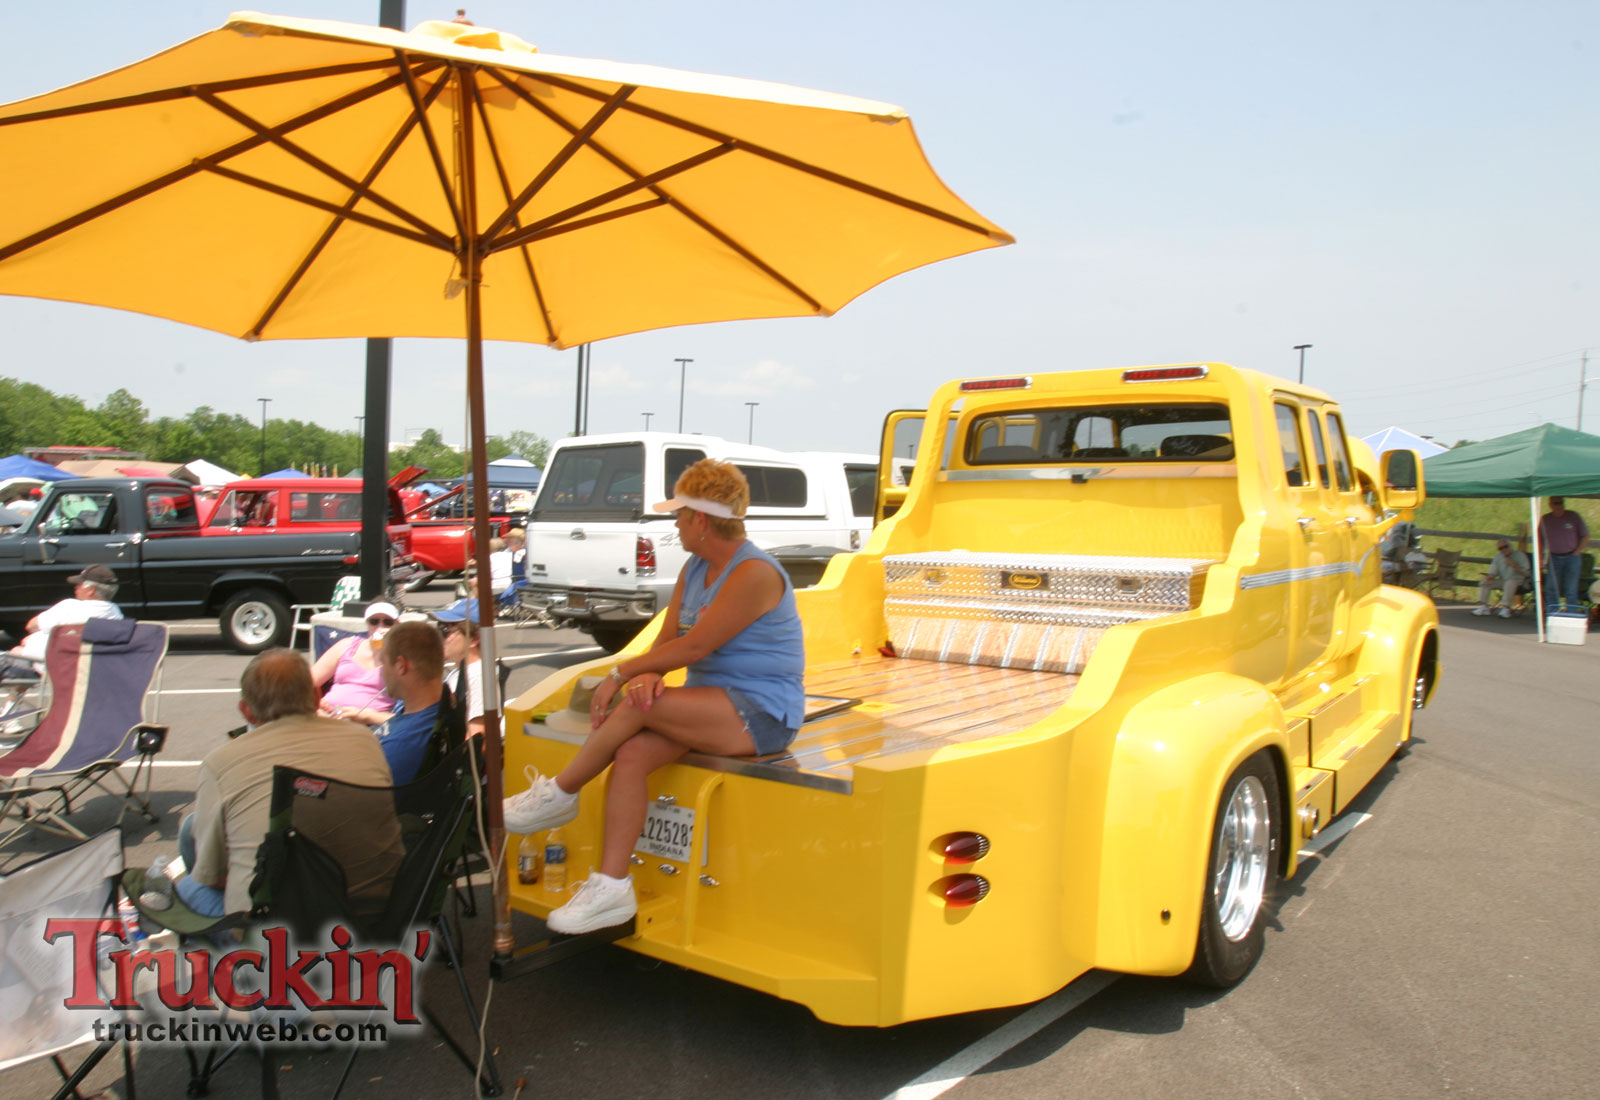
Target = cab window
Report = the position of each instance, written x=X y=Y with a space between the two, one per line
x=1187 y=432
x=596 y=483
x=315 y=507
x=1319 y=449
x=678 y=459
x=863 y=484
x=86 y=513
x=1294 y=458
x=165 y=509
x=1341 y=455
x=245 y=508
x=775 y=486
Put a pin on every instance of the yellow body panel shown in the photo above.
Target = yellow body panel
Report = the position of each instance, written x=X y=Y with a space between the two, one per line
x=1099 y=813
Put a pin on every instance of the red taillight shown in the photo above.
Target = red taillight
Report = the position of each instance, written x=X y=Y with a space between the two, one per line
x=961 y=891
x=996 y=384
x=1163 y=374
x=352 y=559
x=644 y=556
x=962 y=847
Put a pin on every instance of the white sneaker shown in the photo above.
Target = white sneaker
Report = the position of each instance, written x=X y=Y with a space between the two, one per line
x=542 y=806
x=600 y=902
x=1481 y=609
x=1505 y=613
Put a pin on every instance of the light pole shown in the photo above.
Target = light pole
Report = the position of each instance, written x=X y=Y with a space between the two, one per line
x=264 y=401
x=1301 y=348
x=752 y=405
x=647 y=417
x=683 y=374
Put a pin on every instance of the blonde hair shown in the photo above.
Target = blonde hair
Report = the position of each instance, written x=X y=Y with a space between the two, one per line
x=722 y=482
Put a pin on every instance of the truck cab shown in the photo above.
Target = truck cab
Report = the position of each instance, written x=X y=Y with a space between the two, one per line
x=1121 y=648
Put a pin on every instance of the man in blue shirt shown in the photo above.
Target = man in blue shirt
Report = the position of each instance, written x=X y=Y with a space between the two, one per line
x=412 y=665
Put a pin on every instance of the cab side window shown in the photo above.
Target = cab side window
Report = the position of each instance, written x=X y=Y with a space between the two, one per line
x=1294 y=458
x=1320 y=449
x=81 y=514
x=1341 y=454
x=168 y=509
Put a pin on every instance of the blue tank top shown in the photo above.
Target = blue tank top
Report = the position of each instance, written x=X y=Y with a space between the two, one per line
x=767 y=659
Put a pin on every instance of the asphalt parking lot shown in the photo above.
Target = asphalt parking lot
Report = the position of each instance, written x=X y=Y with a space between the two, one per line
x=1440 y=945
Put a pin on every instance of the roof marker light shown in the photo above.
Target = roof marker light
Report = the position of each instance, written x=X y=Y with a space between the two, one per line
x=1164 y=374
x=1022 y=383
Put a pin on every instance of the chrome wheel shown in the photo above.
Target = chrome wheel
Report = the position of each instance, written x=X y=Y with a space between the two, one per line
x=1241 y=859
x=254 y=623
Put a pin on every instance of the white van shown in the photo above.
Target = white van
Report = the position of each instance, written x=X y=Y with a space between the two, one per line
x=600 y=560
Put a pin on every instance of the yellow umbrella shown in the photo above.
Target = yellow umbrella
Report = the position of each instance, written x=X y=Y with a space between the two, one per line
x=295 y=179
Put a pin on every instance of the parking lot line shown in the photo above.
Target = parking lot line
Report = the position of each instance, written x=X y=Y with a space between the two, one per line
x=961 y=1065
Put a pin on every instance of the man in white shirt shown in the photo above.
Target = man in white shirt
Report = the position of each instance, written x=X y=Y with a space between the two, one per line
x=1508 y=571
x=92 y=592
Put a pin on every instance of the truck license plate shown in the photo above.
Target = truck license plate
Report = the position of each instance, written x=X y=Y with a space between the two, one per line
x=577 y=600
x=668 y=832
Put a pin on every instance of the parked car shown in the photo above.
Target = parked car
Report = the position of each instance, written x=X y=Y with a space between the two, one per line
x=600 y=560
x=148 y=530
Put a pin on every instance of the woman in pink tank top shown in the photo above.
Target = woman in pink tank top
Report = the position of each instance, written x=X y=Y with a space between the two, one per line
x=350 y=670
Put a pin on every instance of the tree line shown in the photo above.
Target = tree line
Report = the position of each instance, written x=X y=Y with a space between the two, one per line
x=32 y=416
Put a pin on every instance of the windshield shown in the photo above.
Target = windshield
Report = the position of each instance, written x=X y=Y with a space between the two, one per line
x=604 y=482
x=1192 y=432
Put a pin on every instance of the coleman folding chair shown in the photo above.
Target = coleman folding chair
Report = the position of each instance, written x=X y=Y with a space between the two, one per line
x=36 y=975
x=100 y=675
x=375 y=860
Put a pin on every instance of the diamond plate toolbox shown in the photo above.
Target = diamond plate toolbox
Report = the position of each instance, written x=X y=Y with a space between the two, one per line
x=1040 y=611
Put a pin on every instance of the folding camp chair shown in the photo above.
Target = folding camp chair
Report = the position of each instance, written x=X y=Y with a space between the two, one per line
x=36 y=976
x=100 y=673
x=372 y=859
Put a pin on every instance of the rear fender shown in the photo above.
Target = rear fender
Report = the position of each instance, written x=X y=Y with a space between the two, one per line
x=1172 y=754
x=1399 y=628
x=226 y=585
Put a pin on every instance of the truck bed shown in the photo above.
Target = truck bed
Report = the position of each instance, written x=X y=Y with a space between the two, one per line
x=905 y=705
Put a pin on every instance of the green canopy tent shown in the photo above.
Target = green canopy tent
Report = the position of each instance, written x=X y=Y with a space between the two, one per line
x=1543 y=461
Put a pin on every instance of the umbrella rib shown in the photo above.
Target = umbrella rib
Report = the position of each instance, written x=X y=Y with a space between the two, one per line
x=784 y=159
x=322 y=204
x=576 y=141
x=168 y=94
x=677 y=204
x=333 y=226
x=544 y=234
x=505 y=191
x=433 y=145
x=360 y=189
x=511 y=240
x=149 y=187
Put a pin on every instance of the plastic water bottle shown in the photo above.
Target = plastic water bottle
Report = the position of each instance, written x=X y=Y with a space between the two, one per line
x=530 y=860
x=157 y=887
x=555 y=861
x=130 y=921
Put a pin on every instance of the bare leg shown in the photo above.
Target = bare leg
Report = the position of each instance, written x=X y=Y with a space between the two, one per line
x=699 y=718
x=626 y=798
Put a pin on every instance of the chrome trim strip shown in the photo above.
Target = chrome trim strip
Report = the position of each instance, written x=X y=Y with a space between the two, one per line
x=1303 y=573
x=1083 y=473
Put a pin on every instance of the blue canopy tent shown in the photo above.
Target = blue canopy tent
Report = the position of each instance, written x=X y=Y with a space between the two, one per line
x=1398 y=439
x=287 y=471
x=22 y=466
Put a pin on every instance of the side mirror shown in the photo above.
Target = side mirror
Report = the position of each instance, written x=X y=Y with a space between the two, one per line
x=1402 y=480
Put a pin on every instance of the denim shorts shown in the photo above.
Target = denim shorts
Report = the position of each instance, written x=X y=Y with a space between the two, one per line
x=769 y=734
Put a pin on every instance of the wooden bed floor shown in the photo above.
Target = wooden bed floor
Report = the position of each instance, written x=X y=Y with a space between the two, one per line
x=906 y=706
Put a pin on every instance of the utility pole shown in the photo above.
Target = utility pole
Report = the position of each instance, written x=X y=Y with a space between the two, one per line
x=683 y=374
x=752 y=405
x=265 y=401
x=1301 y=348
x=647 y=417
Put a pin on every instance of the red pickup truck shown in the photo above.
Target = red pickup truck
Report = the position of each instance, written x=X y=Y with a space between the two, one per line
x=306 y=505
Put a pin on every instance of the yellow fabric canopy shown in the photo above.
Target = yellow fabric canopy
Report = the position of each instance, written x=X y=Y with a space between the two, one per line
x=271 y=180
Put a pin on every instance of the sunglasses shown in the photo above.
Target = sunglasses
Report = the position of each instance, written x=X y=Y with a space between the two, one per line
x=380 y=620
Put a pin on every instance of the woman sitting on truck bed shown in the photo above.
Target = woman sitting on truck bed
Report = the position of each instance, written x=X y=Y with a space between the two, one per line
x=351 y=665
x=732 y=623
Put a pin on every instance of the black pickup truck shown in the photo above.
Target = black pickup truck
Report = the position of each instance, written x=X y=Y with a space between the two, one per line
x=148 y=530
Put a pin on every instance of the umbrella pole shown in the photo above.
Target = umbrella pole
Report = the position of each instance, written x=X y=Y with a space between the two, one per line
x=472 y=274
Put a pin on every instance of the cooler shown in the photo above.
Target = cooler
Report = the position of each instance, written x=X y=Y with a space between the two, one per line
x=1567 y=627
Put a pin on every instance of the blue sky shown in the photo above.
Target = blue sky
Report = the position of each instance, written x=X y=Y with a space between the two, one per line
x=1410 y=187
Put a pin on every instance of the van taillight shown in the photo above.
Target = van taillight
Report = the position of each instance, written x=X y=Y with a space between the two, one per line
x=644 y=557
x=961 y=891
x=962 y=847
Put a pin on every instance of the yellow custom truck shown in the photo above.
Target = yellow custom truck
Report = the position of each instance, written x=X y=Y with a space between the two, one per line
x=1120 y=649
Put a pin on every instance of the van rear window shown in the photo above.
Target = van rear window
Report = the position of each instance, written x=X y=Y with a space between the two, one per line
x=775 y=486
x=604 y=482
x=1190 y=432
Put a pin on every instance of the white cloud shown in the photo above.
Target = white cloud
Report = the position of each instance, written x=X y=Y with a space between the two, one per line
x=766 y=379
x=615 y=377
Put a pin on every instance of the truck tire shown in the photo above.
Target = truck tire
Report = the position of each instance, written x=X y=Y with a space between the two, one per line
x=1241 y=875
x=613 y=636
x=255 y=619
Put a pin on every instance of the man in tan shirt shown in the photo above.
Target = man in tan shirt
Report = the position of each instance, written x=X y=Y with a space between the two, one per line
x=218 y=841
